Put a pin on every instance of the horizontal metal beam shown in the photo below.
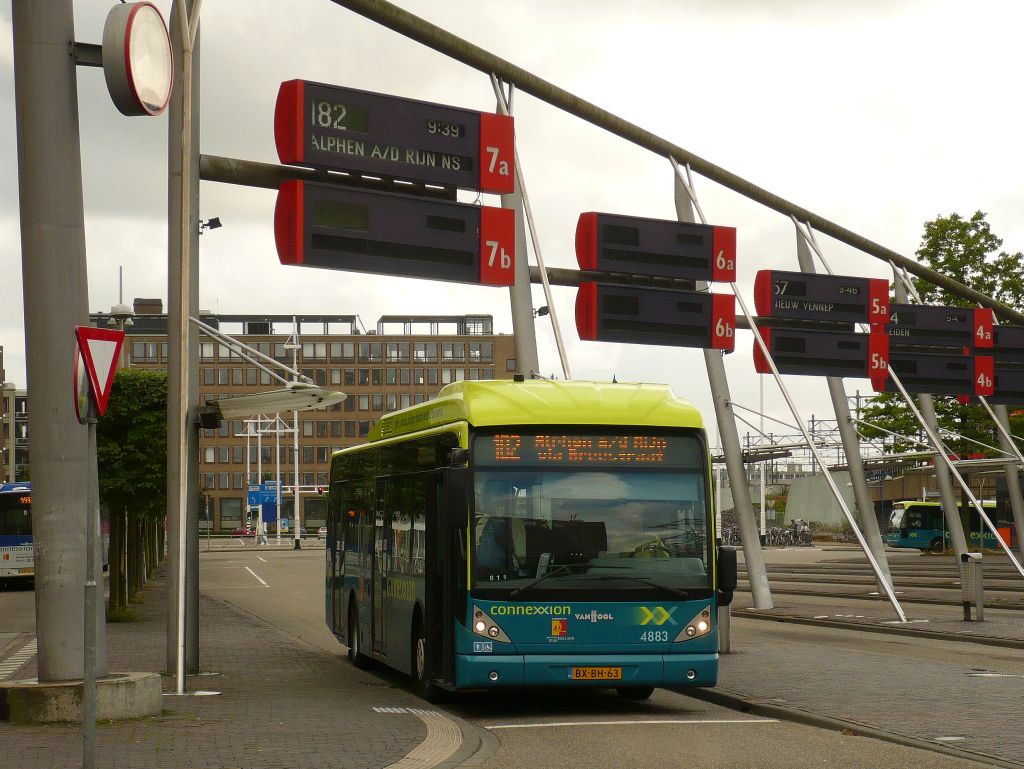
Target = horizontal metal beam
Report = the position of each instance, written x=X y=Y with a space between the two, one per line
x=441 y=40
x=87 y=54
x=251 y=173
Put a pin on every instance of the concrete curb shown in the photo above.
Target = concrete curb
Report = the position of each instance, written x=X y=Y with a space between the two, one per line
x=119 y=696
x=478 y=746
x=935 y=635
x=736 y=701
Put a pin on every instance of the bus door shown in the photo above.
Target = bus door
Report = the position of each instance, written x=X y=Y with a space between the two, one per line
x=380 y=564
x=445 y=588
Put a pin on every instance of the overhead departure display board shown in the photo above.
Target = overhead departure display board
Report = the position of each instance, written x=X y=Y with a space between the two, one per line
x=630 y=244
x=941 y=374
x=1008 y=345
x=606 y=313
x=337 y=228
x=824 y=298
x=824 y=353
x=918 y=325
x=332 y=127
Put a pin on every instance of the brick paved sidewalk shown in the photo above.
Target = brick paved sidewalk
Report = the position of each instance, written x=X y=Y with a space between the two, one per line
x=283 y=704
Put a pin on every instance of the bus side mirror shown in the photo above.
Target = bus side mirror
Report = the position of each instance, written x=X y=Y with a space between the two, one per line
x=727 y=573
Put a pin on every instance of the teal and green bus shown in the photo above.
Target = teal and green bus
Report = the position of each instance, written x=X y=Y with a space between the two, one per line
x=922 y=526
x=530 y=533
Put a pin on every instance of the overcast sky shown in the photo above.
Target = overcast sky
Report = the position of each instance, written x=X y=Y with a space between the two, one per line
x=877 y=114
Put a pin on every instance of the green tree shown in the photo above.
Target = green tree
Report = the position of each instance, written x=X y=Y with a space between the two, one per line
x=131 y=443
x=968 y=251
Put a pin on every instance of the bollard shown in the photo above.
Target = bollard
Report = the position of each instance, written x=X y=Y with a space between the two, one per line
x=972 y=586
x=725 y=629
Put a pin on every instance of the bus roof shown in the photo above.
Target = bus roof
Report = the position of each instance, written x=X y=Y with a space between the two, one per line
x=543 y=401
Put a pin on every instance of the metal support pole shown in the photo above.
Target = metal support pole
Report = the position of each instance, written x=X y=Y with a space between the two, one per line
x=277 y=470
x=753 y=557
x=182 y=367
x=851 y=443
x=519 y=294
x=55 y=292
x=505 y=108
x=297 y=510
x=950 y=508
x=92 y=530
x=259 y=477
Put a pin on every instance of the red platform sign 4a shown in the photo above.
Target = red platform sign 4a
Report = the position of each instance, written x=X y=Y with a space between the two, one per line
x=100 y=349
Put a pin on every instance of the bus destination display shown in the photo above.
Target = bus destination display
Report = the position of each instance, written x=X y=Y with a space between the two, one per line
x=345 y=129
x=587 y=450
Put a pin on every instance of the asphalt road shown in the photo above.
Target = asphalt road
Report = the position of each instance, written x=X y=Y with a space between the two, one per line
x=565 y=729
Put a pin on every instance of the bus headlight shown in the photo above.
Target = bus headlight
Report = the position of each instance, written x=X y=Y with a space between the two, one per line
x=699 y=626
x=484 y=626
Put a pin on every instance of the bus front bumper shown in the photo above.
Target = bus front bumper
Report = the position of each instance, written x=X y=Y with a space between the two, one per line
x=475 y=671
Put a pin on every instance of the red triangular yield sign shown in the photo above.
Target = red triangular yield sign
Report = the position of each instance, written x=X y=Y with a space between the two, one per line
x=101 y=349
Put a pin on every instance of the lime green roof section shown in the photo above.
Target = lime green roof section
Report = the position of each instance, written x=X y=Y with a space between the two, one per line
x=541 y=401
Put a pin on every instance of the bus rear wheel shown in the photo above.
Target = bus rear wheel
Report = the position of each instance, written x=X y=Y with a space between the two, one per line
x=355 y=647
x=635 y=692
x=937 y=545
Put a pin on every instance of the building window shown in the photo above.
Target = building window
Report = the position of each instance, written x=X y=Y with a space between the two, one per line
x=350 y=428
x=307 y=455
x=321 y=428
x=349 y=377
x=237 y=454
x=418 y=377
x=230 y=512
x=250 y=376
x=481 y=352
x=398 y=352
x=364 y=427
x=264 y=377
x=343 y=352
x=225 y=454
x=209 y=376
x=349 y=403
x=236 y=377
x=453 y=351
x=314 y=351
x=404 y=376
x=376 y=377
x=223 y=376
x=206 y=352
x=370 y=352
x=406 y=400
x=425 y=352
x=364 y=402
x=391 y=377
x=322 y=455
x=307 y=429
x=209 y=455
x=392 y=401
x=237 y=480
x=377 y=402
x=510 y=364
x=364 y=377
x=335 y=376
x=335 y=428
x=487 y=373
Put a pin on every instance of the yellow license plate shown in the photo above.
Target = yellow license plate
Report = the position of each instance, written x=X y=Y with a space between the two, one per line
x=29 y=570
x=596 y=674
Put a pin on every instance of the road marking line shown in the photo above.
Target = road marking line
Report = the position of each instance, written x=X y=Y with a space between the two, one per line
x=442 y=740
x=263 y=559
x=12 y=664
x=643 y=723
x=950 y=739
x=257 y=576
x=412 y=711
x=995 y=675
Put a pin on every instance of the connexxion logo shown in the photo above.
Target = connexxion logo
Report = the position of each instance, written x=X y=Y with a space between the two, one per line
x=528 y=611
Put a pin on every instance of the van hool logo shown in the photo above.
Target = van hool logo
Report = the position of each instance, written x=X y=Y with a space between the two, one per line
x=595 y=616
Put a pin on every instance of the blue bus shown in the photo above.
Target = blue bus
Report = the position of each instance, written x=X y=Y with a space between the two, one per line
x=16 y=555
x=530 y=533
x=922 y=526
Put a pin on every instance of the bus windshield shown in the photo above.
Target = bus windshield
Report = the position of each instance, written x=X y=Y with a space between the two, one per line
x=897 y=516
x=620 y=513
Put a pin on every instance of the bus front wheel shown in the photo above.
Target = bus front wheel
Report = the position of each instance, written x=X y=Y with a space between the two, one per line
x=937 y=545
x=425 y=688
x=355 y=647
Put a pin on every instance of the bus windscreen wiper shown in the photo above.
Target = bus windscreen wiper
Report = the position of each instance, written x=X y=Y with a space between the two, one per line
x=562 y=568
x=646 y=580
